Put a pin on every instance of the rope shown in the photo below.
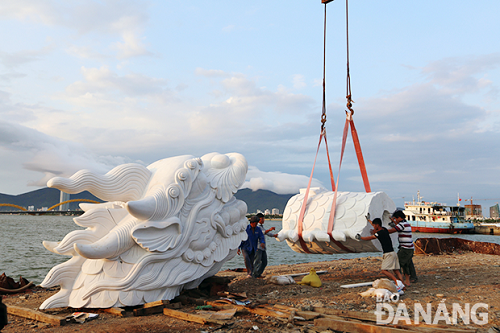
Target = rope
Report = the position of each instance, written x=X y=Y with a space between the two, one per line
x=323 y=107
x=349 y=123
x=348 y=79
x=322 y=135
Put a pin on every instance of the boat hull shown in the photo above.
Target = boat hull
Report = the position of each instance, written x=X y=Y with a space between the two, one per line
x=442 y=227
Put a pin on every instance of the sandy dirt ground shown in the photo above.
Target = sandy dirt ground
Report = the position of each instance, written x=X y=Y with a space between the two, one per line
x=450 y=278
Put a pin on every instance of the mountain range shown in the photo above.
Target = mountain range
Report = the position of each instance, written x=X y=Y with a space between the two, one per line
x=47 y=197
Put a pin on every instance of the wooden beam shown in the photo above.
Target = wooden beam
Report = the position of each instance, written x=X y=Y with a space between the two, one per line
x=118 y=312
x=185 y=316
x=340 y=323
x=306 y=315
x=191 y=317
x=35 y=315
x=354 y=327
x=154 y=304
x=366 y=316
x=148 y=311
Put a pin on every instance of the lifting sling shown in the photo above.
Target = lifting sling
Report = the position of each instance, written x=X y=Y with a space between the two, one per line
x=348 y=123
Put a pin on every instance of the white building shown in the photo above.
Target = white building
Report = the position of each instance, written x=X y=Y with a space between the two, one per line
x=275 y=211
x=64 y=197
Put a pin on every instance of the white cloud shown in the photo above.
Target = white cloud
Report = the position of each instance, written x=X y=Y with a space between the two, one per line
x=210 y=72
x=125 y=19
x=278 y=182
x=48 y=155
x=82 y=74
x=298 y=81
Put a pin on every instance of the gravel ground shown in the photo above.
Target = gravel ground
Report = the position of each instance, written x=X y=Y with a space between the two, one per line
x=462 y=278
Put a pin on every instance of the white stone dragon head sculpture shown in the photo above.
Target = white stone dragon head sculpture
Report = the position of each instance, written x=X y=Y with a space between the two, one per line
x=163 y=228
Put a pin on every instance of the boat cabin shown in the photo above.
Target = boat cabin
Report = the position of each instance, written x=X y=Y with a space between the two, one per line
x=433 y=212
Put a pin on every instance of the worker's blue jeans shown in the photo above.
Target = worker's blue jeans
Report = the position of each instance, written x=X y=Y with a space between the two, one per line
x=249 y=259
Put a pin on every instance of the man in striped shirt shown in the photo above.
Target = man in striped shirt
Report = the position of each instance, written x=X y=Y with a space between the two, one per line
x=406 y=248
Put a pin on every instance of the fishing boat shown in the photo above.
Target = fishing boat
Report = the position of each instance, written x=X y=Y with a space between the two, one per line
x=434 y=217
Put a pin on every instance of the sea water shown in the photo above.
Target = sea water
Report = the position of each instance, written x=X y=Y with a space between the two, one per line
x=22 y=252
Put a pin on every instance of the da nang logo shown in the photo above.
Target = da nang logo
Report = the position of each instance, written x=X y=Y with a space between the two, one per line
x=393 y=313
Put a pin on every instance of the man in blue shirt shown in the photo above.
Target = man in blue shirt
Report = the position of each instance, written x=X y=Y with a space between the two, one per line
x=250 y=246
x=260 y=262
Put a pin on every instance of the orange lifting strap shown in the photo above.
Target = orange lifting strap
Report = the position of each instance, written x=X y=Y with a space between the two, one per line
x=348 y=123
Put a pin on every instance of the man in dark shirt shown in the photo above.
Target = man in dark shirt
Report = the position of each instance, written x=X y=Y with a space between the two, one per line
x=249 y=247
x=390 y=262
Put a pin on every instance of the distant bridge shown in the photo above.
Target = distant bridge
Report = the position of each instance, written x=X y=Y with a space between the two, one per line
x=12 y=205
x=51 y=208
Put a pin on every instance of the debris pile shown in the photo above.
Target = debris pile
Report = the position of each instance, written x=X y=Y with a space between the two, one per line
x=8 y=285
x=450 y=245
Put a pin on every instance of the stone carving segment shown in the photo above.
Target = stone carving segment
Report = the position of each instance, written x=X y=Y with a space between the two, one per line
x=165 y=228
x=352 y=207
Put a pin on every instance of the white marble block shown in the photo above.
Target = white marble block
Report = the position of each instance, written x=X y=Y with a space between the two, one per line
x=163 y=228
x=352 y=207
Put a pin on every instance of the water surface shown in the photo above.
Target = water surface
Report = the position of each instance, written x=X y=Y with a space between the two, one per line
x=22 y=252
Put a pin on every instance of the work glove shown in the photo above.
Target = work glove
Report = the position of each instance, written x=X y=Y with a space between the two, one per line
x=358 y=237
x=392 y=224
x=367 y=216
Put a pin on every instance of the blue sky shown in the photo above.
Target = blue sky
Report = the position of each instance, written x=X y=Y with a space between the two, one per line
x=94 y=84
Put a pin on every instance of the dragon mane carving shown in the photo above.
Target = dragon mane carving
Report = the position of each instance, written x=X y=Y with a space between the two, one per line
x=163 y=228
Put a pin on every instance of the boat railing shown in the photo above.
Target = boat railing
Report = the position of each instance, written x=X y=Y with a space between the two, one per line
x=439 y=212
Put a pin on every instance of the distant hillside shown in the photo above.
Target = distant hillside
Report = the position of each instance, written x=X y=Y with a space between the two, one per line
x=44 y=197
x=47 y=197
x=263 y=199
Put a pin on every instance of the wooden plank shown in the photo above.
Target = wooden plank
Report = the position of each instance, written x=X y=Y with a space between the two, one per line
x=284 y=307
x=35 y=315
x=366 y=316
x=308 y=315
x=354 y=327
x=119 y=312
x=156 y=303
x=191 y=317
x=185 y=316
x=305 y=315
x=218 y=315
x=269 y=313
x=148 y=311
x=435 y=329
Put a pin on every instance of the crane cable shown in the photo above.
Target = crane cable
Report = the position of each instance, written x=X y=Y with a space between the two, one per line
x=349 y=123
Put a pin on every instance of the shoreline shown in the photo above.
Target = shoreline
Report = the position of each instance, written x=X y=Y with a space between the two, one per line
x=459 y=277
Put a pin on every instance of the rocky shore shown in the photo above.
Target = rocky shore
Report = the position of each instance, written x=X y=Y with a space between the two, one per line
x=456 y=278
